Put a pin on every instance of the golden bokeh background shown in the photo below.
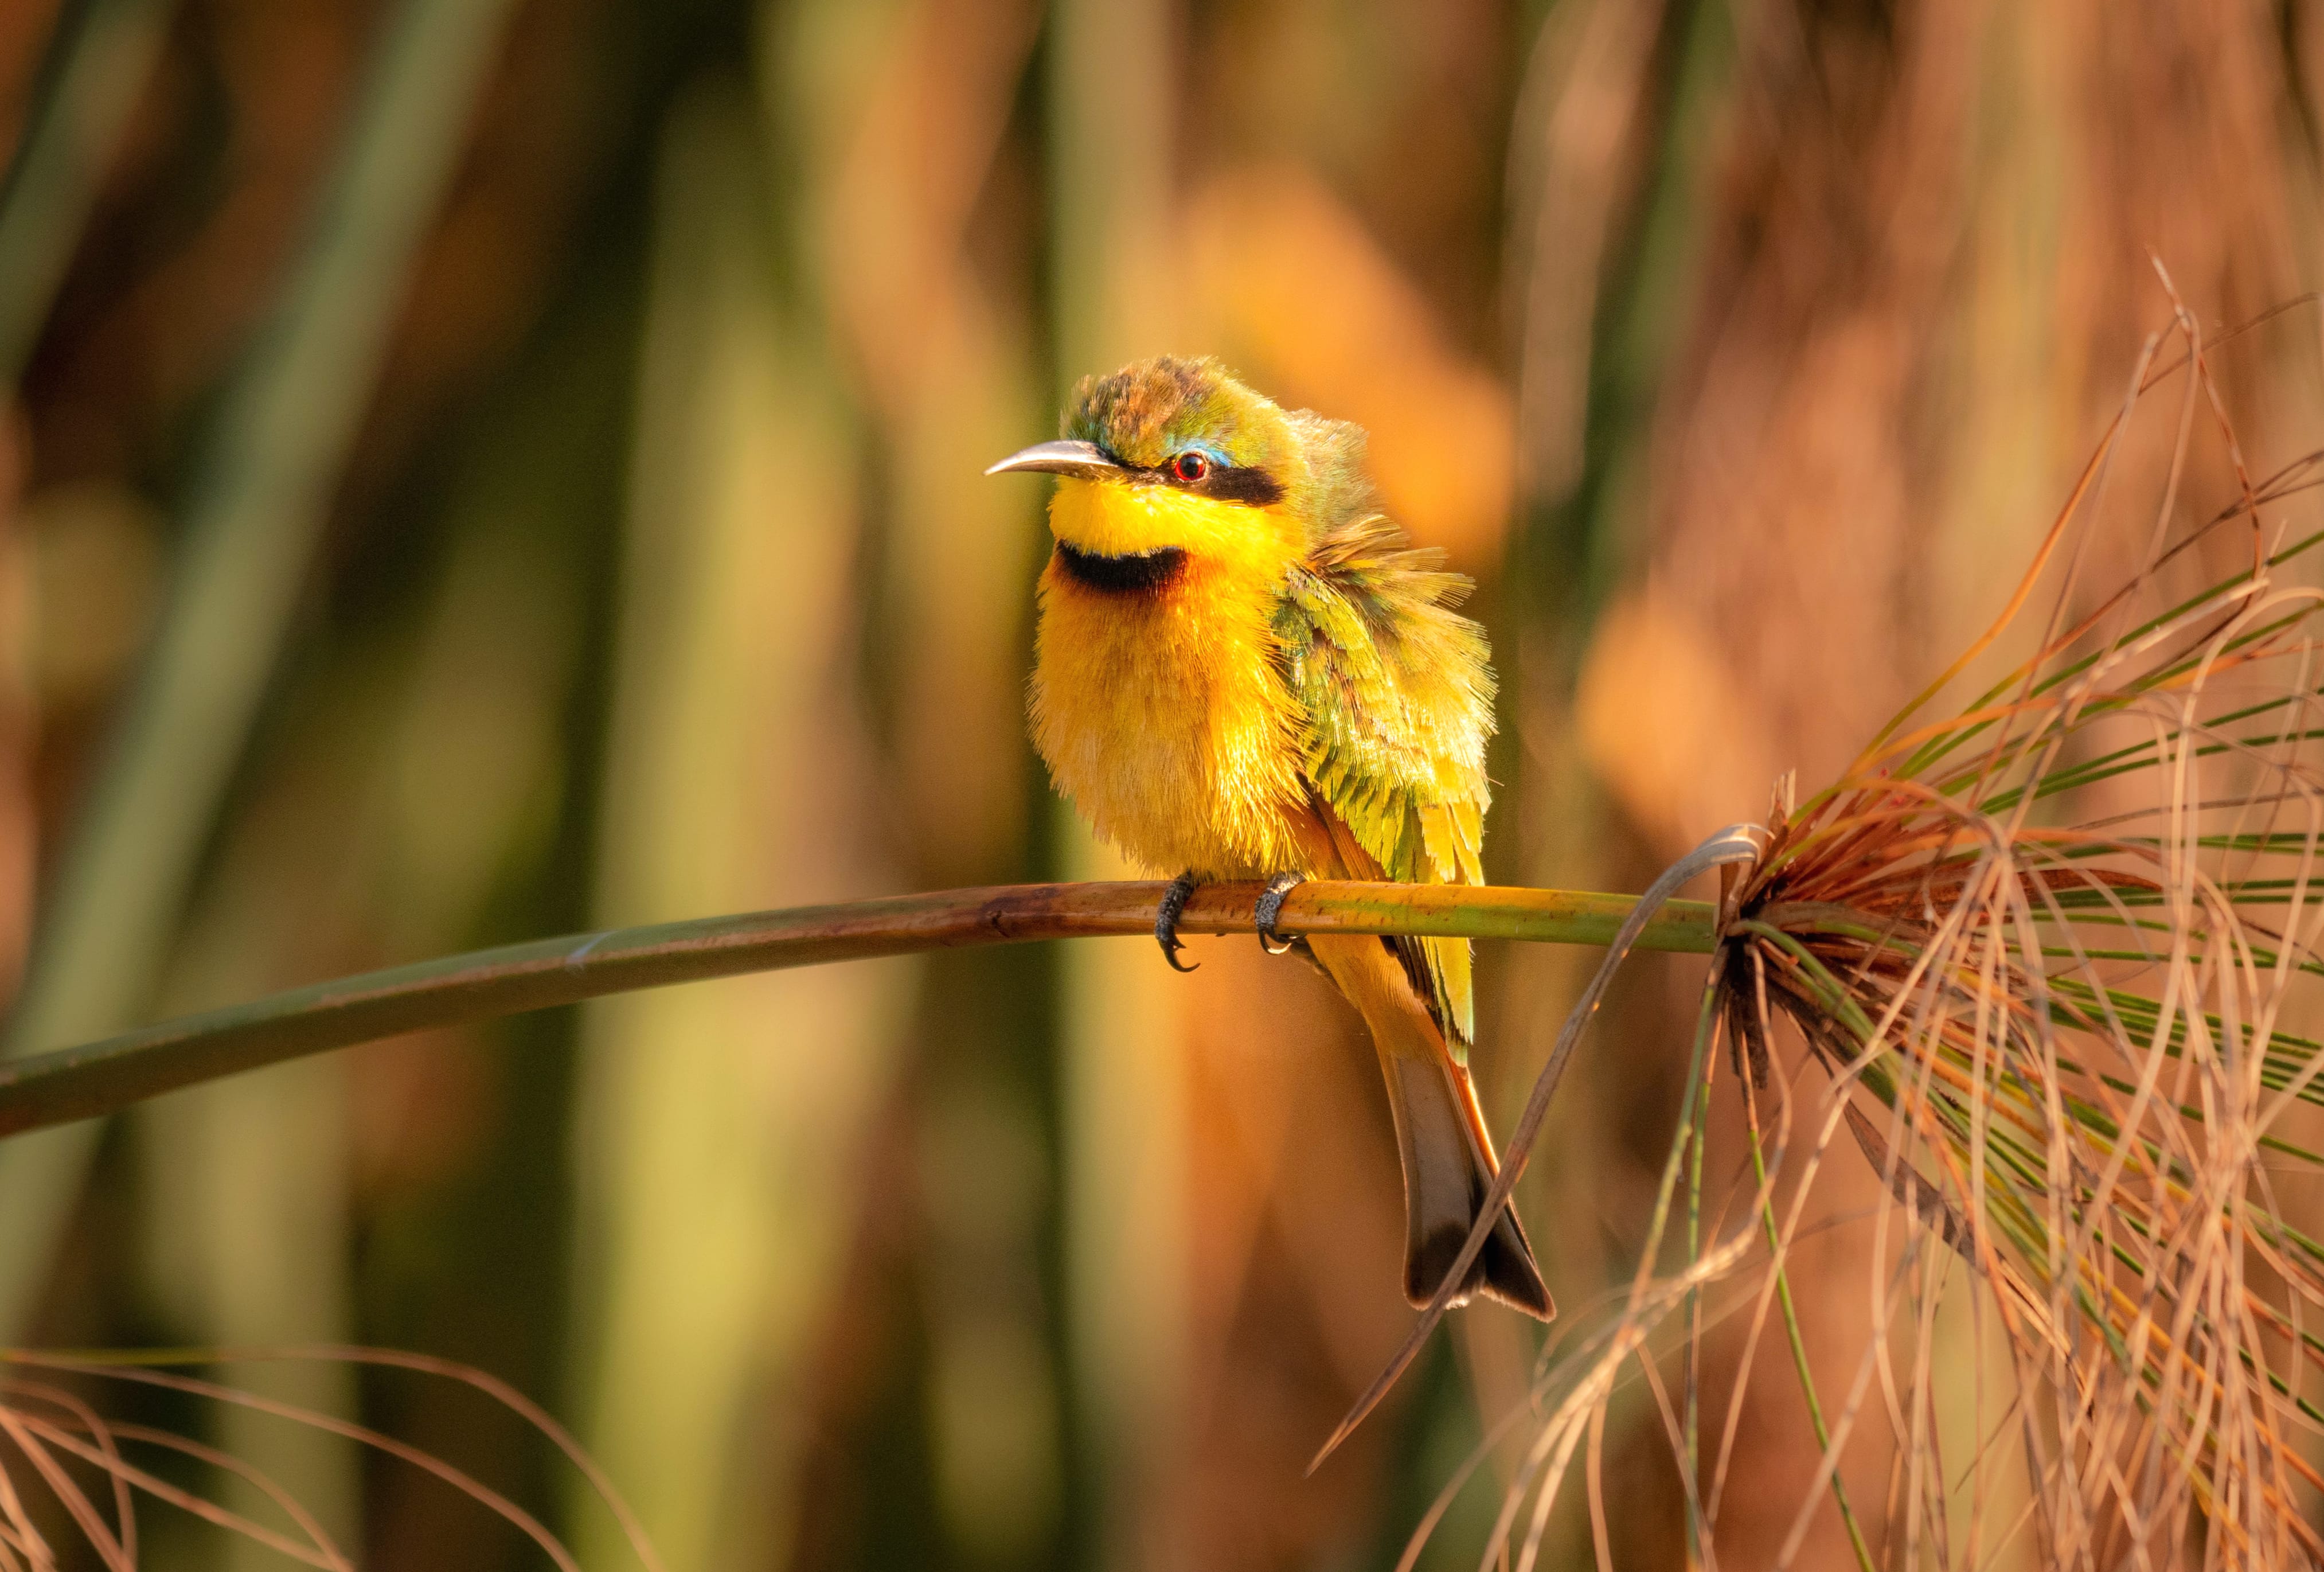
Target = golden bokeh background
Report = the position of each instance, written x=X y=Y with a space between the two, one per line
x=485 y=468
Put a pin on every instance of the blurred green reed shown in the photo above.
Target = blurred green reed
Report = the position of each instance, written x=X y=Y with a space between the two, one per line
x=716 y=1183
x=257 y=503
x=234 y=1250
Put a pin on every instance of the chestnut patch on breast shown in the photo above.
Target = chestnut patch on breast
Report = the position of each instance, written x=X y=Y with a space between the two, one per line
x=1138 y=572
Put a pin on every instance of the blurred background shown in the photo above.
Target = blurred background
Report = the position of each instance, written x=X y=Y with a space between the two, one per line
x=475 y=469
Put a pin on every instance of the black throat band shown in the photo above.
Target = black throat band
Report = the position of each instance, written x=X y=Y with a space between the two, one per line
x=1137 y=573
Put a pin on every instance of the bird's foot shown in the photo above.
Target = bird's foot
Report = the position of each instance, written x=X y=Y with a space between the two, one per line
x=1270 y=907
x=1165 y=921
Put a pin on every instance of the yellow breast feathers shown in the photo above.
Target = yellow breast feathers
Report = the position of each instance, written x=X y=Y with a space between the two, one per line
x=1158 y=698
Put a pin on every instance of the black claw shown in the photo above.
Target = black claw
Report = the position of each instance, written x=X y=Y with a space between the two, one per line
x=1166 y=921
x=1270 y=907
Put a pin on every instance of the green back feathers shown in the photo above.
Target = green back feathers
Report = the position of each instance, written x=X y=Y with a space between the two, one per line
x=1398 y=697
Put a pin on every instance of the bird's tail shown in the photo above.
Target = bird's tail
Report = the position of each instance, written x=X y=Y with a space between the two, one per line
x=1440 y=1134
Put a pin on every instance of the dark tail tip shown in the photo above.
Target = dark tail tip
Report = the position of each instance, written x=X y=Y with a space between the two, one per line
x=1503 y=1270
x=1511 y=1275
x=1425 y=1264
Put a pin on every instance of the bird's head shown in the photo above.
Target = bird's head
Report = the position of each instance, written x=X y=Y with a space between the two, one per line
x=1175 y=455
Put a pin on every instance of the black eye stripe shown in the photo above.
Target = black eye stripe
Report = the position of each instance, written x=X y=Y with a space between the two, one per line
x=1228 y=483
x=1253 y=487
x=1248 y=485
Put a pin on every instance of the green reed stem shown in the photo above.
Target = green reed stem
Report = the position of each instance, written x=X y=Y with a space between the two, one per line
x=1791 y=1331
x=1697 y=1131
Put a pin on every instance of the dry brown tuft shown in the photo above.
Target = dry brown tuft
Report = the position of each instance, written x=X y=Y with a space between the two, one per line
x=2044 y=964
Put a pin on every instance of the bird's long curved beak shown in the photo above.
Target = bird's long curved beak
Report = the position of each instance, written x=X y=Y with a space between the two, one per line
x=1084 y=460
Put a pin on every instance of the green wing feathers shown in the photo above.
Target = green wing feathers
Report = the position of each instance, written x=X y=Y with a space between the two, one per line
x=1397 y=698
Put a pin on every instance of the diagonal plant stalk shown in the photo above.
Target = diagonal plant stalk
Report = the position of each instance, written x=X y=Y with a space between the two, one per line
x=1736 y=846
x=102 y=1076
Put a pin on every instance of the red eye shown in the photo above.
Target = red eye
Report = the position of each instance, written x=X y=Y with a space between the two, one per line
x=1190 y=467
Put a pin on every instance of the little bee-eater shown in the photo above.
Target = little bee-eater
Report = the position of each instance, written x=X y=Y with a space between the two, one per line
x=1243 y=670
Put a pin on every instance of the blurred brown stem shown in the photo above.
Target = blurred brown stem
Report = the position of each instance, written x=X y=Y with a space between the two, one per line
x=102 y=1076
x=102 y=55
x=262 y=490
